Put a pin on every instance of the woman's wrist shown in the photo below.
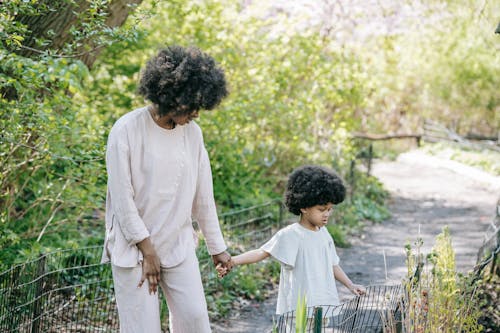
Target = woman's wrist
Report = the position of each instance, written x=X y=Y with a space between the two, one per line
x=146 y=247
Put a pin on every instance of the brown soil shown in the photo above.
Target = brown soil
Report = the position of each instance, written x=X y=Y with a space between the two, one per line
x=427 y=194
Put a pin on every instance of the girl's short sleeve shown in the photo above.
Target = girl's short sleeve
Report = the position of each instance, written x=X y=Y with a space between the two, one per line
x=333 y=252
x=283 y=246
x=335 y=257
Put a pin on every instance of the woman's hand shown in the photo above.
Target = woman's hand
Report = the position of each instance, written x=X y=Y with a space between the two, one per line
x=150 y=265
x=151 y=272
x=223 y=263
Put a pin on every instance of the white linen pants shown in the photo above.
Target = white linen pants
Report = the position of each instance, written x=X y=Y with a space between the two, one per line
x=139 y=311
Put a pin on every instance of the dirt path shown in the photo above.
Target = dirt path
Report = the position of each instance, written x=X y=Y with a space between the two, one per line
x=426 y=194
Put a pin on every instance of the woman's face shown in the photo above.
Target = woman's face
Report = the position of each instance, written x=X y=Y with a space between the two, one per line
x=186 y=118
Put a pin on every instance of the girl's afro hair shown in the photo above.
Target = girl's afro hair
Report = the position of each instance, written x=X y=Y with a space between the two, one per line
x=312 y=185
x=182 y=80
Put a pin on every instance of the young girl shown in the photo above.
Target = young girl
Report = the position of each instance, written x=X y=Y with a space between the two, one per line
x=306 y=251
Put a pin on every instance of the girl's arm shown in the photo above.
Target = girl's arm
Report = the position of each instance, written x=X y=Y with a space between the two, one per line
x=249 y=257
x=342 y=277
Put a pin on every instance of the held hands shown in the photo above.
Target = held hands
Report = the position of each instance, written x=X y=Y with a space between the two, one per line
x=223 y=270
x=356 y=289
x=223 y=263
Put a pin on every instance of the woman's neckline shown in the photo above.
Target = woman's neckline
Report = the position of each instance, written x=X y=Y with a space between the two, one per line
x=150 y=111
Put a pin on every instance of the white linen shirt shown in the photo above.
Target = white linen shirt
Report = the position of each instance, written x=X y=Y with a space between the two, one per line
x=307 y=258
x=158 y=180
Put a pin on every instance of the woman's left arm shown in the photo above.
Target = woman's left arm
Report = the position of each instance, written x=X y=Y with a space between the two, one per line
x=205 y=212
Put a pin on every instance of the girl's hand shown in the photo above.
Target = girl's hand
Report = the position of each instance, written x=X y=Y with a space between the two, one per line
x=221 y=270
x=357 y=289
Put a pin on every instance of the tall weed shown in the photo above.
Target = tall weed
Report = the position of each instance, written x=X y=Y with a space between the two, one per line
x=438 y=299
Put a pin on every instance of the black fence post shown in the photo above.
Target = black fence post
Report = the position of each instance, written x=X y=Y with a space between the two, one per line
x=318 y=319
x=356 y=310
x=351 y=178
x=370 y=157
x=38 y=304
x=280 y=213
x=493 y=263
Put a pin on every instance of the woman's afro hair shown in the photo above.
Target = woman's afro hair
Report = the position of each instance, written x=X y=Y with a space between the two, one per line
x=182 y=80
x=312 y=185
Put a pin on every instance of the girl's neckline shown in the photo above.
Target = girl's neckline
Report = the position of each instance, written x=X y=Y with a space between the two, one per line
x=305 y=228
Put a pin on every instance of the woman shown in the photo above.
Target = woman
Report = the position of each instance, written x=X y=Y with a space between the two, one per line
x=159 y=178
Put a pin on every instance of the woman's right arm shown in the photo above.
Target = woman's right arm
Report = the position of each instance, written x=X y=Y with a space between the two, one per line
x=121 y=190
x=122 y=195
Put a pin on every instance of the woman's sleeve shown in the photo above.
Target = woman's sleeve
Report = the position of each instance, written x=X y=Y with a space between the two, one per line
x=204 y=210
x=121 y=191
x=283 y=246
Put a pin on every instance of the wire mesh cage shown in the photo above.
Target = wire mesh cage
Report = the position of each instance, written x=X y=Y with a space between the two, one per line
x=64 y=291
x=377 y=311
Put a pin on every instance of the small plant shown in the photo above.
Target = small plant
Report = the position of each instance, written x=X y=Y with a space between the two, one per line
x=437 y=298
x=390 y=324
x=301 y=315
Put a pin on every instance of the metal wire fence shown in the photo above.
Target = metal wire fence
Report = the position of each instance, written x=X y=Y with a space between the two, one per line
x=70 y=291
x=488 y=252
x=243 y=229
x=373 y=312
x=64 y=291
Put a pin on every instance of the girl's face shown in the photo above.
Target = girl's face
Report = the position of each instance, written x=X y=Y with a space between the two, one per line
x=316 y=217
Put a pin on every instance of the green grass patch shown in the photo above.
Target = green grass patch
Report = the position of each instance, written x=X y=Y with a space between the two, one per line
x=485 y=159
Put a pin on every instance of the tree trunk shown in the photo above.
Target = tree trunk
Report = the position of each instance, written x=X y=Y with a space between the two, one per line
x=55 y=20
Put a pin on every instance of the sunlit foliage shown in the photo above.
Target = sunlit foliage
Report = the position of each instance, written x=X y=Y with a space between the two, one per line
x=300 y=82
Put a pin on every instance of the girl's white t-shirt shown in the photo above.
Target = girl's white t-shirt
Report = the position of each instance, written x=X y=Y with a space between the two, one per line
x=307 y=258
